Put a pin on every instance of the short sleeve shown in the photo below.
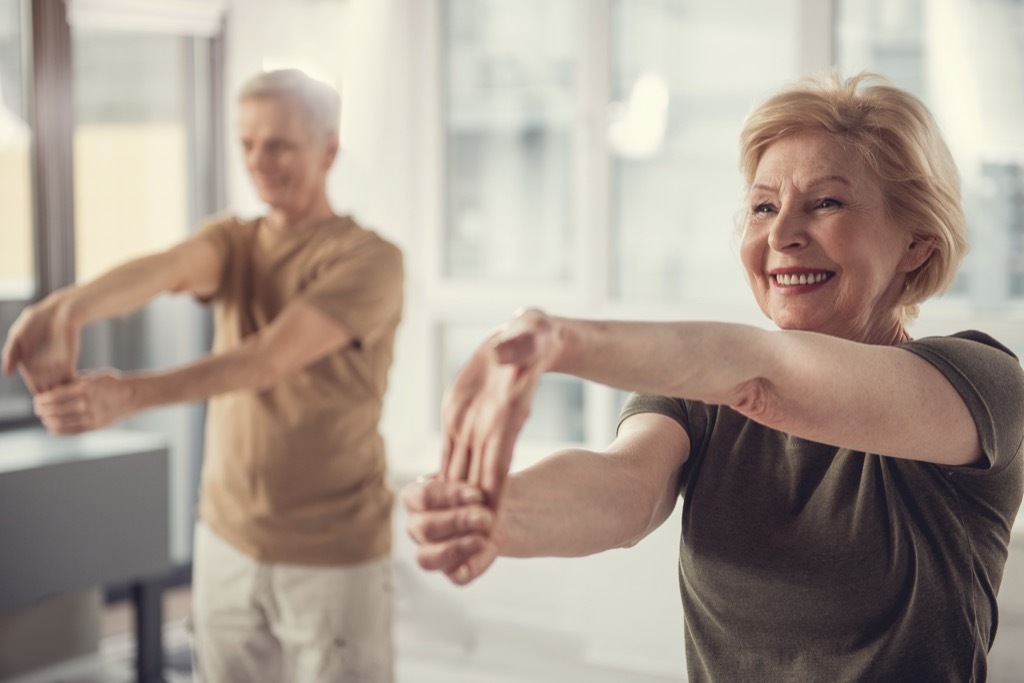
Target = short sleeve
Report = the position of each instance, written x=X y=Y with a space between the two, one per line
x=989 y=378
x=360 y=287
x=217 y=233
x=661 y=405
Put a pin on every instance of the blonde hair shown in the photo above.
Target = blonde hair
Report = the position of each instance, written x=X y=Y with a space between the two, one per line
x=899 y=140
x=321 y=102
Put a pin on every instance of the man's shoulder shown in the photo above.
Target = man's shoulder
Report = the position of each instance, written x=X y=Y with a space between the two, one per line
x=348 y=237
x=227 y=224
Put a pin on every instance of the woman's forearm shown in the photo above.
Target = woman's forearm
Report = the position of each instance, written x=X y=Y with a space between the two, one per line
x=576 y=503
x=702 y=360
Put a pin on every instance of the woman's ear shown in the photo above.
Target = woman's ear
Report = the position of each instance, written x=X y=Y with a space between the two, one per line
x=915 y=254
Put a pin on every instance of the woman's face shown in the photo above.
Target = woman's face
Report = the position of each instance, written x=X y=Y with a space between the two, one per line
x=819 y=248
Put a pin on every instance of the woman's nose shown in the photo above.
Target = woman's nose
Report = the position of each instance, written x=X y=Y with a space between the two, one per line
x=788 y=231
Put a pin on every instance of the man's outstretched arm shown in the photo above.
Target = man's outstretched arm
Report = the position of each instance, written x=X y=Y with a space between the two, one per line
x=300 y=335
x=44 y=341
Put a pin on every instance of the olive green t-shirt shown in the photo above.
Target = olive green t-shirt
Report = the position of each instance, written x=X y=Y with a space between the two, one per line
x=804 y=562
x=297 y=473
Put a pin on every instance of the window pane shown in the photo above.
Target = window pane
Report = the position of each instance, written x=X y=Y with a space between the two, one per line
x=510 y=100
x=557 y=413
x=17 y=271
x=673 y=137
x=130 y=145
x=965 y=59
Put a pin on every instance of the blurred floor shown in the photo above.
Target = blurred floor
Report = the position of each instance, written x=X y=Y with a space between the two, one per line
x=426 y=653
x=437 y=647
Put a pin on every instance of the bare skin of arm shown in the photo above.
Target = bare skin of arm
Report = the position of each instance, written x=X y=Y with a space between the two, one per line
x=877 y=399
x=558 y=507
x=298 y=336
x=44 y=341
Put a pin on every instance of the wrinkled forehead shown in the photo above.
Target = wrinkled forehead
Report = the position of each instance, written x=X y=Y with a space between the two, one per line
x=811 y=157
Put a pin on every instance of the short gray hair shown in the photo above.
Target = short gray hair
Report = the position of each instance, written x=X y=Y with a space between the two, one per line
x=321 y=101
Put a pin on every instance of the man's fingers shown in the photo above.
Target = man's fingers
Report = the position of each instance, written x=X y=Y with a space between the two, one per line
x=65 y=426
x=61 y=409
x=60 y=398
x=11 y=356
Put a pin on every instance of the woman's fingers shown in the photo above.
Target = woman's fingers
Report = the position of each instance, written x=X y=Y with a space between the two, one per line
x=434 y=493
x=63 y=426
x=443 y=525
x=461 y=560
x=452 y=526
x=443 y=510
x=474 y=566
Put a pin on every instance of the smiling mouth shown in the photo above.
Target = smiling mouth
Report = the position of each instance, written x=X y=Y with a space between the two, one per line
x=796 y=279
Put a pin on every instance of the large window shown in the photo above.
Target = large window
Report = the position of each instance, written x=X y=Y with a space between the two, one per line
x=590 y=158
x=511 y=97
x=17 y=271
x=131 y=145
x=673 y=135
x=590 y=166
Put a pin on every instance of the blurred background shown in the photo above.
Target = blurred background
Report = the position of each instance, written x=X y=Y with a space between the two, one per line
x=579 y=155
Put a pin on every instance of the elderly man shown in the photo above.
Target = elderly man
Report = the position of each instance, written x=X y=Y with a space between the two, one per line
x=291 y=572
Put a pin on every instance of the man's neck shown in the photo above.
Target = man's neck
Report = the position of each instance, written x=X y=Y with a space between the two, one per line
x=288 y=219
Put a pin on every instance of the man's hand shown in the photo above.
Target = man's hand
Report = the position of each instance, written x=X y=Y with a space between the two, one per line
x=457 y=534
x=490 y=399
x=43 y=344
x=91 y=401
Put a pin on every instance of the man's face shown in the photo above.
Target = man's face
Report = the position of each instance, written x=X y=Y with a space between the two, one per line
x=287 y=160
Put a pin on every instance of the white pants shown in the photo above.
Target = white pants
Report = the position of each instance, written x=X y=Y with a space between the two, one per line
x=280 y=623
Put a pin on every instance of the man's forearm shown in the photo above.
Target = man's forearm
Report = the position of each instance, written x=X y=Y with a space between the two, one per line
x=244 y=368
x=122 y=290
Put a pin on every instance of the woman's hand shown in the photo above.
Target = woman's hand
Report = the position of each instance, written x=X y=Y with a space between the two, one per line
x=456 y=532
x=490 y=399
x=91 y=401
x=43 y=344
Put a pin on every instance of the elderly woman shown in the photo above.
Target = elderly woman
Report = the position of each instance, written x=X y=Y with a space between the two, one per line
x=848 y=492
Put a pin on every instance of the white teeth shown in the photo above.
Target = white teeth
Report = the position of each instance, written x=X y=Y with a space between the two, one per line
x=788 y=280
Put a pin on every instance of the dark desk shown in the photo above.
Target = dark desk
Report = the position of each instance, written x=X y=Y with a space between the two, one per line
x=85 y=511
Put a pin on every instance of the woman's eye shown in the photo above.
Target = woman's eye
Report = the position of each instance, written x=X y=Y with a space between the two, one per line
x=763 y=207
x=829 y=203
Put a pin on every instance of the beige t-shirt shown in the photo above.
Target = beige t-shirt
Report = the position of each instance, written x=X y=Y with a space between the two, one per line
x=296 y=473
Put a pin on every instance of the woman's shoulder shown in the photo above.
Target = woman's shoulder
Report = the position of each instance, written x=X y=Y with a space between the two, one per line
x=965 y=346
